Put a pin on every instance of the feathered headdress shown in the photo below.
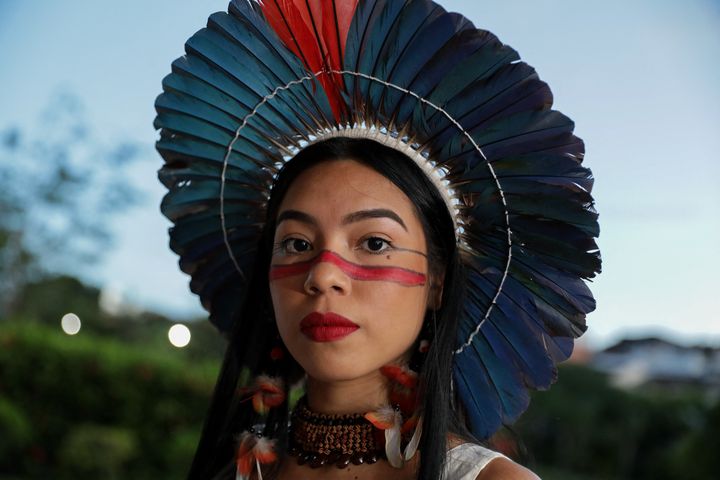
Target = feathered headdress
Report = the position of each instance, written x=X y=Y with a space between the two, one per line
x=269 y=77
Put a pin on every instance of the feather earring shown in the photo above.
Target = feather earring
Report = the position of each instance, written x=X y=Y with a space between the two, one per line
x=403 y=388
x=267 y=392
x=389 y=420
x=397 y=422
x=414 y=422
x=253 y=452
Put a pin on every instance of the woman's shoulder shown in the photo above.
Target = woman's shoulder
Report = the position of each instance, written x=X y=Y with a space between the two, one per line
x=502 y=468
x=470 y=461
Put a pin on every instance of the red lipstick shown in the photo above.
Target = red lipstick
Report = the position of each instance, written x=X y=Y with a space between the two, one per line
x=326 y=327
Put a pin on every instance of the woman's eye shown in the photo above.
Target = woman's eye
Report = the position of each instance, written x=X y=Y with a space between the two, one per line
x=295 y=245
x=375 y=244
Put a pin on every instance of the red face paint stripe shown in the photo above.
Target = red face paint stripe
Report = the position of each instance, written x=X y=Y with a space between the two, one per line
x=403 y=276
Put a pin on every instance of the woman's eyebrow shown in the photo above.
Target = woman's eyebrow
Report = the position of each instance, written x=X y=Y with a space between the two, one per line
x=297 y=215
x=374 y=213
x=349 y=218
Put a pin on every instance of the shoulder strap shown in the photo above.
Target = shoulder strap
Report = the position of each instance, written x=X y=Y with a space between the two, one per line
x=466 y=461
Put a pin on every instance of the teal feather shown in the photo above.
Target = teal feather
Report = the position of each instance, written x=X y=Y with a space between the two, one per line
x=277 y=63
x=489 y=57
x=369 y=30
x=407 y=28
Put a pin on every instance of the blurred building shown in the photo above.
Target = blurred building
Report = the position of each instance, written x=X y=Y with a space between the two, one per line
x=582 y=353
x=656 y=362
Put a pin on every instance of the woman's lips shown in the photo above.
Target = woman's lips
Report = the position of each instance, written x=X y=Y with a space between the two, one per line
x=326 y=327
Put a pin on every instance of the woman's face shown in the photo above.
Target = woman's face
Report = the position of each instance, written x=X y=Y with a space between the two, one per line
x=349 y=272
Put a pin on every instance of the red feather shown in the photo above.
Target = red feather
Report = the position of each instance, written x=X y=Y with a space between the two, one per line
x=344 y=12
x=286 y=18
x=383 y=418
x=315 y=31
x=268 y=393
x=401 y=375
x=403 y=387
x=252 y=450
x=244 y=460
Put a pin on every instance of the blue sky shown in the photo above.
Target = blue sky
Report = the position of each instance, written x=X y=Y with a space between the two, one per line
x=639 y=78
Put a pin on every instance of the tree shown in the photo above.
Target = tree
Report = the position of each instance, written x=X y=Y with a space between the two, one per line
x=59 y=187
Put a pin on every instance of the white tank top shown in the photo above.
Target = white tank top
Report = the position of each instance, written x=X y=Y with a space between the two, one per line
x=466 y=461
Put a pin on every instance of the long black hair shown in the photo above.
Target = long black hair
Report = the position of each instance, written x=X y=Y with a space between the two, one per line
x=254 y=333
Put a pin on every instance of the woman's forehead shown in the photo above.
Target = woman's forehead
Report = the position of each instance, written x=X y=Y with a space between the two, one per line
x=338 y=188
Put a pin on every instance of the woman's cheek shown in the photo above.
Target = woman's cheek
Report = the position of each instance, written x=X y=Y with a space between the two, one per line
x=398 y=312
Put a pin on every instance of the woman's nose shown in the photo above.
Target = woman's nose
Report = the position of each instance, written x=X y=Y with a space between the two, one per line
x=326 y=277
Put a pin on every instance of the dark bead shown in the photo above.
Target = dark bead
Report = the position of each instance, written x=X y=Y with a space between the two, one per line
x=358 y=459
x=318 y=461
x=311 y=459
x=303 y=458
x=344 y=461
x=333 y=457
x=372 y=458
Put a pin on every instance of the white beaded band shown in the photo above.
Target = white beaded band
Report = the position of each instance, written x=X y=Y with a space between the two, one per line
x=435 y=174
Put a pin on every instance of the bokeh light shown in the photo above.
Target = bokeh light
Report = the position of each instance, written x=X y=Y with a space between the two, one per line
x=70 y=323
x=179 y=335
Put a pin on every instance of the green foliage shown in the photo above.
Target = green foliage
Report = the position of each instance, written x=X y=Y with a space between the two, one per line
x=696 y=455
x=137 y=412
x=46 y=300
x=92 y=451
x=15 y=427
x=585 y=426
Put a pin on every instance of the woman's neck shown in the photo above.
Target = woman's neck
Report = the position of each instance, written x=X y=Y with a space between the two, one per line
x=359 y=395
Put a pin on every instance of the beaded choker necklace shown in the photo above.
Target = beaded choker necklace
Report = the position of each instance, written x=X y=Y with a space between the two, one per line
x=318 y=439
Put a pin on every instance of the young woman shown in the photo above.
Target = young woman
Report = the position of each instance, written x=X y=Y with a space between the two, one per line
x=359 y=266
x=377 y=204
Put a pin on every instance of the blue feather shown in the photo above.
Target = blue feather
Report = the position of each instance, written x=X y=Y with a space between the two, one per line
x=518 y=334
x=489 y=57
x=194 y=151
x=424 y=81
x=474 y=389
x=415 y=17
x=371 y=24
x=249 y=31
x=245 y=99
x=505 y=378
x=513 y=89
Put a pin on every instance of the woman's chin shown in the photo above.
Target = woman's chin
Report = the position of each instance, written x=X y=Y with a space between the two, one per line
x=330 y=369
x=336 y=373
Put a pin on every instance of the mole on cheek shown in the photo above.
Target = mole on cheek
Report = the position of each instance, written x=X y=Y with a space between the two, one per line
x=388 y=257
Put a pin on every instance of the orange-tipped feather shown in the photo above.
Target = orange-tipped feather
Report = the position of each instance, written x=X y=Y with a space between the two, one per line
x=400 y=375
x=244 y=460
x=253 y=451
x=383 y=418
x=269 y=393
x=403 y=387
x=264 y=451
